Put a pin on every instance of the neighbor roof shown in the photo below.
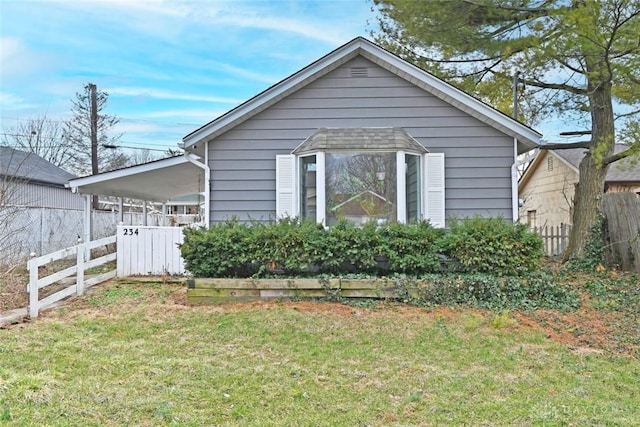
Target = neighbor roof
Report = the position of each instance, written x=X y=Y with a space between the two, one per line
x=370 y=139
x=625 y=170
x=31 y=167
x=527 y=137
x=621 y=171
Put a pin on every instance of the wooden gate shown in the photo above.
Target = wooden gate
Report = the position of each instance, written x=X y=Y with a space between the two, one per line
x=149 y=251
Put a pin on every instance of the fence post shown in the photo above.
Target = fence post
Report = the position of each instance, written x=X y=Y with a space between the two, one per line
x=33 y=288
x=80 y=269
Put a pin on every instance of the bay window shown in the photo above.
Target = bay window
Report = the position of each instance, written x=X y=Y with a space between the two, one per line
x=361 y=174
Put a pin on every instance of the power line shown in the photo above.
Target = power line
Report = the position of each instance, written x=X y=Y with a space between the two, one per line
x=62 y=138
x=131 y=119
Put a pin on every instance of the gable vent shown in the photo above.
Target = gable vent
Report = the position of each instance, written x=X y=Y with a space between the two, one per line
x=359 y=72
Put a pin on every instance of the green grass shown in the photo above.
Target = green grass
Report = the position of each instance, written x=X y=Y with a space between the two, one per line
x=128 y=355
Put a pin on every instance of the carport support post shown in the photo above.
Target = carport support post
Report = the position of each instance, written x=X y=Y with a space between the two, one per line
x=144 y=213
x=120 y=210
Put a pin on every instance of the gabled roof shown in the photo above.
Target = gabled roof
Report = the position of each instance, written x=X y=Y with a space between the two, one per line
x=527 y=137
x=370 y=139
x=31 y=167
x=625 y=170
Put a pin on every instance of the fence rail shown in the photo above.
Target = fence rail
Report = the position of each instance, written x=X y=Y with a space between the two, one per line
x=555 y=238
x=82 y=263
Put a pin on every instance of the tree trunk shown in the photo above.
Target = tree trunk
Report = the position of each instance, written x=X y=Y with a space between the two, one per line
x=592 y=171
x=588 y=192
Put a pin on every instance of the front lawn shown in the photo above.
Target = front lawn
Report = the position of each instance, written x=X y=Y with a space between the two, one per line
x=135 y=355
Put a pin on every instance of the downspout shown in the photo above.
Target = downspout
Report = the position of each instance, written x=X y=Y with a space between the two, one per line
x=515 y=208
x=207 y=180
x=514 y=167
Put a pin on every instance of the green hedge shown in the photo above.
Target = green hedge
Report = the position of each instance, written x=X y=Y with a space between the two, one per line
x=294 y=247
x=493 y=245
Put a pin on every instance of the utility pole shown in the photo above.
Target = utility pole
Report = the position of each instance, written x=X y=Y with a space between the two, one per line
x=94 y=135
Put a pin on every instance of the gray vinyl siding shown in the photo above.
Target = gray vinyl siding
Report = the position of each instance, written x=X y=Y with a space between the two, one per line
x=478 y=158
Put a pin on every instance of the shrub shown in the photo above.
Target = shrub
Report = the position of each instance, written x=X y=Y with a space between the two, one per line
x=349 y=248
x=226 y=249
x=493 y=245
x=410 y=249
x=289 y=245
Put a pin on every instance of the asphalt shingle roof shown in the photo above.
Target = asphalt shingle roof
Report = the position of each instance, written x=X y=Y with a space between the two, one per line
x=620 y=171
x=31 y=167
x=382 y=138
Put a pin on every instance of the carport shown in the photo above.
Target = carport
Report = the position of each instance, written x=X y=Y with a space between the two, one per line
x=158 y=181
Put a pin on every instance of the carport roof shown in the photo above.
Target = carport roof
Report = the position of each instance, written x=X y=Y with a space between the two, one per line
x=157 y=181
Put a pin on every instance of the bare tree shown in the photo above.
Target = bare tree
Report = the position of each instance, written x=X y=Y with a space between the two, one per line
x=14 y=174
x=142 y=156
x=42 y=136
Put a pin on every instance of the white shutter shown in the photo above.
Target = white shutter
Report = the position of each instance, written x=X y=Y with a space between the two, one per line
x=434 y=192
x=285 y=186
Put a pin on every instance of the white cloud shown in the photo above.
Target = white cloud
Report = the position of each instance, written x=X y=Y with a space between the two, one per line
x=161 y=17
x=188 y=117
x=163 y=94
x=174 y=9
x=9 y=46
x=126 y=126
x=12 y=102
x=17 y=60
x=306 y=29
x=233 y=71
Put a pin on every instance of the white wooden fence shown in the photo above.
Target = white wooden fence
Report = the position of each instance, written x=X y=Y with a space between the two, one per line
x=137 y=251
x=152 y=251
x=82 y=263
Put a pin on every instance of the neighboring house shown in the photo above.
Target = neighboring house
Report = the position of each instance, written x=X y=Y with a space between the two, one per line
x=547 y=187
x=359 y=124
x=28 y=180
x=38 y=214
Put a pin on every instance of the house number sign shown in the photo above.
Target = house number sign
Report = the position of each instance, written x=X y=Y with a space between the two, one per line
x=130 y=231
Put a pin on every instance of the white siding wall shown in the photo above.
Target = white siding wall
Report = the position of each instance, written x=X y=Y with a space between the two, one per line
x=43 y=196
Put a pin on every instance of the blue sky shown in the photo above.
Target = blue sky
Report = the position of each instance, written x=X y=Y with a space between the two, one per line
x=169 y=66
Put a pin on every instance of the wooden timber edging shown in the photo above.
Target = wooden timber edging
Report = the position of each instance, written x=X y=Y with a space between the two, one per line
x=216 y=291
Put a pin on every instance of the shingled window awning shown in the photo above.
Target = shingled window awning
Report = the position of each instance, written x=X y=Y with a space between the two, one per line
x=360 y=139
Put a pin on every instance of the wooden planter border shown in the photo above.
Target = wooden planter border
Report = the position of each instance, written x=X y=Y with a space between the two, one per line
x=216 y=291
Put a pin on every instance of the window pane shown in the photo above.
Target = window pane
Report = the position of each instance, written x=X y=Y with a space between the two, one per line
x=413 y=187
x=308 y=187
x=361 y=187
